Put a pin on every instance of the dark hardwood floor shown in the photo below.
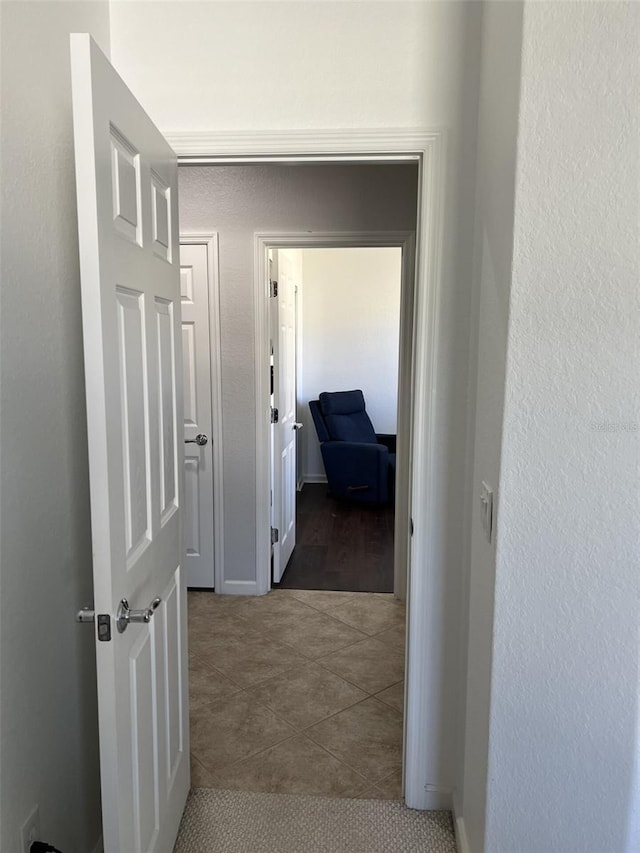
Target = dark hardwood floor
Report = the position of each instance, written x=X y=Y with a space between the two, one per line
x=340 y=545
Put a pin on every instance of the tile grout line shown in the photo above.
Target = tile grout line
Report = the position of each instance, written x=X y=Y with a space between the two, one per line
x=249 y=755
x=323 y=719
x=301 y=663
x=302 y=733
x=358 y=685
x=333 y=651
x=253 y=755
x=342 y=761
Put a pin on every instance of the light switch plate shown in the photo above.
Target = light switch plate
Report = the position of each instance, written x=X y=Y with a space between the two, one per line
x=486 y=510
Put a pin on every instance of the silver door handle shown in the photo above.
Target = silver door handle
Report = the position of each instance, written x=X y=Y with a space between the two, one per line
x=125 y=615
x=201 y=439
x=298 y=426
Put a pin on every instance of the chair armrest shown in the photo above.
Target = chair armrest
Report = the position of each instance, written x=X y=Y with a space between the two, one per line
x=388 y=440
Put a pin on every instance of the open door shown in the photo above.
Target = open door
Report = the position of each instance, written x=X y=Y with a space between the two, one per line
x=126 y=177
x=284 y=467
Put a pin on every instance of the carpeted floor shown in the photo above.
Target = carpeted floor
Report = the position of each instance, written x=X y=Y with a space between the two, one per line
x=239 y=822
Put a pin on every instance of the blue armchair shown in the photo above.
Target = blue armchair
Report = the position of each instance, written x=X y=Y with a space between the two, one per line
x=360 y=465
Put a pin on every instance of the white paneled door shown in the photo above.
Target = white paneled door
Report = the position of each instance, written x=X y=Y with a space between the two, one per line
x=198 y=455
x=283 y=326
x=126 y=178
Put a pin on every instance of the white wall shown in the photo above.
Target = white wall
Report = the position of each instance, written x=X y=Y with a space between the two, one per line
x=497 y=133
x=350 y=336
x=563 y=754
x=237 y=201
x=48 y=722
x=229 y=65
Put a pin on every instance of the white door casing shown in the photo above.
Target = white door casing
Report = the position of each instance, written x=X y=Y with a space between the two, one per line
x=283 y=325
x=126 y=176
x=198 y=419
x=428 y=698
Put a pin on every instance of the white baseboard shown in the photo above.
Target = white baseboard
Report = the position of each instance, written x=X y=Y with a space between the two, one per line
x=431 y=798
x=438 y=798
x=99 y=848
x=314 y=478
x=239 y=588
x=462 y=842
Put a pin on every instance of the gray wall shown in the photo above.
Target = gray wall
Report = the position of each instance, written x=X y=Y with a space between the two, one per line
x=48 y=722
x=237 y=201
x=497 y=134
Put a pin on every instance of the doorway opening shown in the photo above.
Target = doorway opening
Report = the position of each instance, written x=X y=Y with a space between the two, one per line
x=311 y=669
x=335 y=340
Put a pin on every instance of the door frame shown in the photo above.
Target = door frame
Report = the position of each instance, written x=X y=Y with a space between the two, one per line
x=210 y=241
x=426 y=628
x=404 y=240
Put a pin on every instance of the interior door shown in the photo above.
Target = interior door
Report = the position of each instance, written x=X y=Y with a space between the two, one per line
x=284 y=438
x=198 y=455
x=126 y=178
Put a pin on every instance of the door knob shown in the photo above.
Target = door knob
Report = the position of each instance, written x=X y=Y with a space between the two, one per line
x=125 y=615
x=298 y=426
x=201 y=439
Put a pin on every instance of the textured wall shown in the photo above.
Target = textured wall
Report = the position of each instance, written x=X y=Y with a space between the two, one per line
x=563 y=760
x=350 y=336
x=237 y=201
x=48 y=724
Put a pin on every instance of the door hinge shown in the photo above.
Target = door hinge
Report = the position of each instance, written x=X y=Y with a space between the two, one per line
x=273 y=288
x=410 y=527
x=274 y=415
x=275 y=535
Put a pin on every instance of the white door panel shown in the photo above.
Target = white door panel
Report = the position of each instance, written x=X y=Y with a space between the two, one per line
x=284 y=344
x=198 y=460
x=126 y=177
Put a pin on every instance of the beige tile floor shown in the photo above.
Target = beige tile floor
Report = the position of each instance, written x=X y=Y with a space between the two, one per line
x=297 y=692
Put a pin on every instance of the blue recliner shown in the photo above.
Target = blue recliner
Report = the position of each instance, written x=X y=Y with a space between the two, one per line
x=360 y=465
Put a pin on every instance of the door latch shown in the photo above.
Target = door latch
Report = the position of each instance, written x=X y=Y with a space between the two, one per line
x=104 y=627
x=87 y=615
x=275 y=415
